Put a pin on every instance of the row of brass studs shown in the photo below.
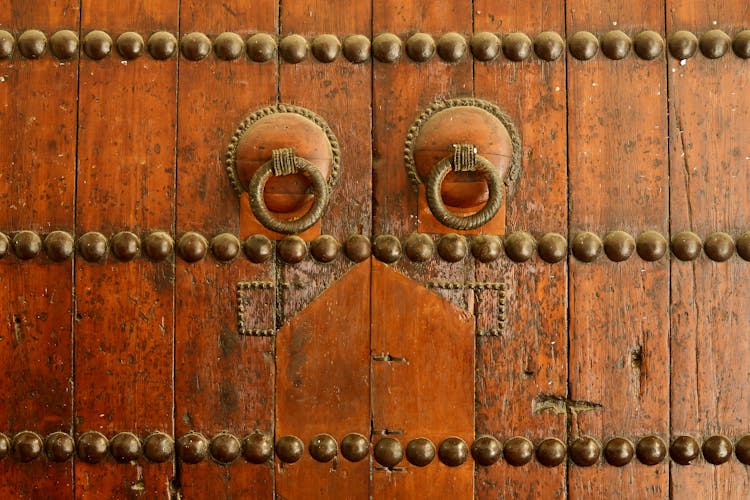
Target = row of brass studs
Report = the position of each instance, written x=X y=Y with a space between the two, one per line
x=258 y=448
x=386 y=47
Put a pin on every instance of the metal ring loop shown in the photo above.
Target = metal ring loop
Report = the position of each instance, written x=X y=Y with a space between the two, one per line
x=440 y=211
x=259 y=208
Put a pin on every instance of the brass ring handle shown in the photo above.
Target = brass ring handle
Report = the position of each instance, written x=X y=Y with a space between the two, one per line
x=284 y=162
x=463 y=159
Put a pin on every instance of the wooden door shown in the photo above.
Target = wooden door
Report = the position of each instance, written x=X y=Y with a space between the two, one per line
x=168 y=335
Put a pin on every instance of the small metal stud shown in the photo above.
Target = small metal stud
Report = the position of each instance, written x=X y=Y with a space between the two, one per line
x=326 y=48
x=549 y=46
x=618 y=246
x=452 y=247
x=743 y=245
x=192 y=247
x=195 y=46
x=386 y=48
x=356 y=48
x=97 y=44
x=27 y=446
x=486 y=248
x=225 y=247
x=451 y=47
x=92 y=246
x=59 y=447
x=130 y=45
x=618 y=452
x=419 y=247
x=616 y=44
x=742 y=449
x=64 y=45
x=583 y=45
x=518 y=451
x=519 y=246
x=648 y=45
x=517 y=46
x=192 y=448
x=125 y=447
x=486 y=450
x=355 y=447
x=293 y=48
x=420 y=47
x=4 y=245
x=683 y=45
x=717 y=450
x=386 y=248
x=420 y=452
x=550 y=452
x=586 y=247
x=7 y=44
x=585 y=451
x=158 y=246
x=357 y=248
x=552 y=247
x=388 y=452
x=4 y=446
x=125 y=246
x=686 y=245
x=651 y=246
x=323 y=448
x=714 y=44
x=684 y=450
x=27 y=244
x=59 y=246
x=158 y=447
x=162 y=45
x=289 y=449
x=324 y=248
x=258 y=248
x=485 y=46
x=740 y=44
x=229 y=46
x=92 y=447
x=32 y=44
x=291 y=249
x=719 y=246
x=651 y=450
x=225 y=448
x=261 y=47
x=257 y=448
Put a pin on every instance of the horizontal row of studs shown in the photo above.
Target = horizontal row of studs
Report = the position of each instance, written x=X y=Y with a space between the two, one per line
x=386 y=47
x=258 y=448
x=518 y=246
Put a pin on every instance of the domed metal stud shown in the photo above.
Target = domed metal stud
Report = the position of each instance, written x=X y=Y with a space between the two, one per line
x=125 y=447
x=158 y=246
x=158 y=447
x=741 y=44
x=4 y=245
x=419 y=247
x=648 y=45
x=27 y=446
x=518 y=451
x=618 y=452
x=92 y=447
x=486 y=248
x=225 y=448
x=59 y=246
x=586 y=247
x=291 y=249
x=192 y=247
x=195 y=46
x=324 y=248
x=357 y=248
x=585 y=451
x=261 y=47
x=257 y=448
x=229 y=46
x=92 y=246
x=486 y=450
x=64 y=45
x=686 y=245
x=549 y=46
x=485 y=46
x=714 y=44
x=552 y=247
x=452 y=247
x=388 y=452
x=32 y=44
x=225 y=247
x=4 y=446
x=325 y=48
x=583 y=45
x=386 y=248
x=125 y=246
x=192 y=448
x=651 y=246
x=517 y=46
x=684 y=450
x=618 y=246
x=355 y=447
x=386 y=48
x=293 y=48
x=451 y=47
x=717 y=450
x=683 y=45
x=651 y=450
x=7 y=44
x=743 y=245
x=130 y=45
x=420 y=452
x=97 y=44
x=27 y=244
x=59 y=447
x=742 y=449
x=258 y=248
x=616 y=44
x=323 y=448
x=289 y=449
x=519 y=246
x=719 y=246
x=420 y=47
x=550 y=452
x=356 y=48
x=162 y=45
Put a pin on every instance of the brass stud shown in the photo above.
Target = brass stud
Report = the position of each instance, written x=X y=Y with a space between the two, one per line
x=258 y=248
x=618 y=246
x=130 y=45
x=651 y=246
x=125 y=246
x=158 y=246
x=355 y=447
x=4 y=245
x=293 y=48
x=683 y=45
x=386 y=48
x=549 y=46
x=651 y=450
x=585 y=451
x=684 y=450
x=92 y=246
x=257 y=448
x=195 y=46
x=356 y=48
x=4 y=446
x=550 y=452
x=59 y=447
x=686 y=245
x=192 y=448
x=552 y=247
x=192 y=247
x=583 y=45
x=648 y=45
x=323 y=448
x=357 y=248
x=289 y=449
x=125 y=447
x=518 y=451
x=64 y=45
x=717 y=450
x=261 y=47
x=517 y=46
x=32 y=44
x=485 y=46
x=742 y=449
x=452 y=247
x=225 y=247
x=451 y=47
x=486 y=450
x=97 y=44
x=326 y=48
x=519 y=246
x=420 y=47
x=7 y=43
x=743 y=245
x=719 y=246
x=92 y=447
x=324 y=248
x=586 y=247
x=292 y=249
x=419 y=247
x=388 y=452
x=486 y=248
x=618 y=452
x=229 y=46
x=225 y=448
x=420 y=452
x=158 y=447
x=27 y=244
x=27 y=446
x=162 y=45
x=386 y=248
x=616 y=44
x=740 y=44
x=59 y=246
x=714 y=44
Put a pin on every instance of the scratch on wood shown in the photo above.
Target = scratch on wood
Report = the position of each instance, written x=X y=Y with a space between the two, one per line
x=560 y=405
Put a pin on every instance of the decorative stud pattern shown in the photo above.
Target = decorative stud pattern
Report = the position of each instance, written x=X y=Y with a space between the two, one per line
x=32 y=44
x=324 y=248
x=92 y=246
x=63 y=45
x=356 y=48
x=261 y=47
x=519 y=246
x=27 y=446
x=192 y=448
x=683 y=45
x=59 y=246
x=386 y=48
x=162 y=45
x=420 y=452
x=229 y=46
x=257 y=448
x=225 y=247
x=651 y=450
x=355 y=447
x=420 y=47
x=158 y=246
x=258 y=248
x=550 y=452
x=618 y=246
x=158 y=447
x=293 y=49
x=619 y=452
x=291 y=249
x=518 y=451
x=651 y=246
x=552 y=247
x=517 y=46
x=97 y=44
x=59 y=447
x=323 y=448
x=616 y=44
x=225 y=448
x=130 y=45
x=686 y=245
x=717 y=450
x=125 y=447
x=549 y=46
x=585 y=451
x=486 y=248
x=583 y=45
x=714 y=44
x=92 y=447
x=195 y=46
x=648 y=45
x=26 y=245
x=386 y=248
x=7 y=44
x=486 y=450
x=586 y=247
x=453 y=451
x=718 y=246
x=125 y=246
x=388 y=452
x=741 y=44
x=684 y=450
x=451 y=47
x=289 y=449
x=452 y=247
x=419 y=247
x=192 y=247
x=485 y=46
x=326 y=48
